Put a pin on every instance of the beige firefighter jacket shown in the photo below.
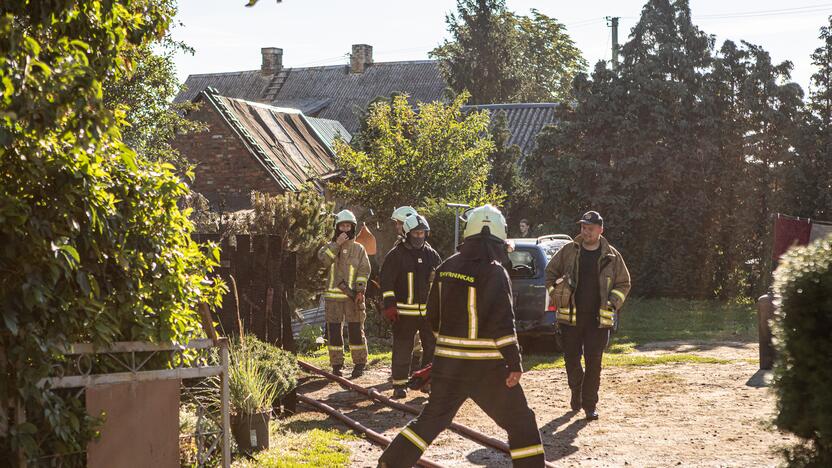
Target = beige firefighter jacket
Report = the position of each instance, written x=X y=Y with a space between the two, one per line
x=348 y=263
x=562 y=281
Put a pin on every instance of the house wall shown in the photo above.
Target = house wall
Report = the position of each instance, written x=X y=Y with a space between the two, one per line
x=225 y=173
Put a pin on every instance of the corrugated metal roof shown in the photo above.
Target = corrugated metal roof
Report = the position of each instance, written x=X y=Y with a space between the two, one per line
x=287 y=145
x=330 y=92
x=248 y=85
x=525 y=121
x=329 y=130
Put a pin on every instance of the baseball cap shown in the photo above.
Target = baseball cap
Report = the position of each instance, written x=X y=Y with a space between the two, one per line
x=591 y=217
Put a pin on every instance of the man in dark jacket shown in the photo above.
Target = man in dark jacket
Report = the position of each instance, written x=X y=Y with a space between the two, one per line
x=588 y=283
x=477 y=355
x=405 y=280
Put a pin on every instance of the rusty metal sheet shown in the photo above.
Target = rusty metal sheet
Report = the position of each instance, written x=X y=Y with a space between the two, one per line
x=141 y=428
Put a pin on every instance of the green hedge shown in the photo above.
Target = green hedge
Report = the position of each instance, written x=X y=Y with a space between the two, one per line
x=803 y=336
x=280 y=367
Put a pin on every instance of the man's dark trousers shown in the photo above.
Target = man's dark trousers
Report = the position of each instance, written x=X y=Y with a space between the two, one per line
x=590 y=341
x=404 y=330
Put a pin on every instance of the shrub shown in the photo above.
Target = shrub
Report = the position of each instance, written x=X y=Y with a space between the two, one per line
x=251 y=390
x=279 y=367
x=309 y=339
x=94 y=246
x=803 y=336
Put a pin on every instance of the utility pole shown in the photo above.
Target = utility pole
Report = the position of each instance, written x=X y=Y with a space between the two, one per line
x=612 y=22
x=456 y=207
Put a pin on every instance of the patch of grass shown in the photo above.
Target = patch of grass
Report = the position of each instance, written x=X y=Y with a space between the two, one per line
x=650 y=320
x=309 y=447
x=380 y=354
x=643 y=321
x=537 y=362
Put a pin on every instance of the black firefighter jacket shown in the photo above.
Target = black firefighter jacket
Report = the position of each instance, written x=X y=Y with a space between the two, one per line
x=406 y=277
x=472 y=316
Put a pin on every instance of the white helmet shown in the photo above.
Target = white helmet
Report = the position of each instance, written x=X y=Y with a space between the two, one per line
x=478 y=218
x=417 y=222
x=345 y=216
x=402 y=213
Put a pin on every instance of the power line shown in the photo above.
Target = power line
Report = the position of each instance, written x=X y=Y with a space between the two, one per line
x=781 y=11
x=583 y=22
x=804 y=10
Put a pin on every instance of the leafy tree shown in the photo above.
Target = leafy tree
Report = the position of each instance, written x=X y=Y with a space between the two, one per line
x=726 y=121
x=505 y=173
x=683 y=149
x=95 y=248
x=549 y=59
x=433 y=151
x=145 y=94
x=566 y=169
x=303 y=222
x=808 y=184
x=773 y=108
x=499 y=56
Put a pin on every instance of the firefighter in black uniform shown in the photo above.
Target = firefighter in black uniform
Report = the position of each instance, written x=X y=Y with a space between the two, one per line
x=476 y=355
x=399 y=216
x=405 y=280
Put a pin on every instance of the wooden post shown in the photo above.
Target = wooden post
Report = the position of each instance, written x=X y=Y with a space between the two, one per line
x=20 y=418
x=225 y=405
x=765 y=313
x=268 y=320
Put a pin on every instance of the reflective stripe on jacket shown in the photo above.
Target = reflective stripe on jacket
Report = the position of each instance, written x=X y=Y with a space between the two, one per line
x=562 y=282
x=406 y=276
x=348 y=263
x=472 y=316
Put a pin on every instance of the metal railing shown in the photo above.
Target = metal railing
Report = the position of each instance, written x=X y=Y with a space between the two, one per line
x=131 y=361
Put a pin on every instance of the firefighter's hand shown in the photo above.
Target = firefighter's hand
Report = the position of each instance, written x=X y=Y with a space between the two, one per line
x=341 y=238
x=391 y=313
x=513 y=379
x=359 y=299
x=420 y=378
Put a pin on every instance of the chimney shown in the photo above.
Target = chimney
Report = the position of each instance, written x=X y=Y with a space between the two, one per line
x=361 y=57
x=272 y=60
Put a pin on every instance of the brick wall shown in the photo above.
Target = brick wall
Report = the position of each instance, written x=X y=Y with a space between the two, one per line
x=225 y=171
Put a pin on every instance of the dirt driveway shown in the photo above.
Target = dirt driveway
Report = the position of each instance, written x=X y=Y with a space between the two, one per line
x=662 y=415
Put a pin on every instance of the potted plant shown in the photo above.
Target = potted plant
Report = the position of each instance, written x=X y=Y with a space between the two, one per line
x=252 y=393
x=279 y=366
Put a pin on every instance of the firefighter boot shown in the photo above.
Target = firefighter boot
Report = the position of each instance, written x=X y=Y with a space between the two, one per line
x=336 y=370
x=357 y=371
x=399 y=393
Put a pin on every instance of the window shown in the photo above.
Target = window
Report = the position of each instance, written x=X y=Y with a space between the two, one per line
x=552 y=247
x=522 y=264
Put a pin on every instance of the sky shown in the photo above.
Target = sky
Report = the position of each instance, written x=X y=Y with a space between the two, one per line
x=227 y=36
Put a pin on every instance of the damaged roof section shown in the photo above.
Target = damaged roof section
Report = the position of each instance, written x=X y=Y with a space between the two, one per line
x=335 y=92
x=290 y=147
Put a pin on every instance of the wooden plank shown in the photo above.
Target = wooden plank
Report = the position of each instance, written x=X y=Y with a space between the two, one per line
x=273 y=271
x=142 y=424
x=241 y=264
x=225 y=408
x=137 y=346
x=77 y=381
x=259 y=284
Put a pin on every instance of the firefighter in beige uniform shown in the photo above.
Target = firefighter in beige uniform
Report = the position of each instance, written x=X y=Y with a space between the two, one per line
x=348 y=268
